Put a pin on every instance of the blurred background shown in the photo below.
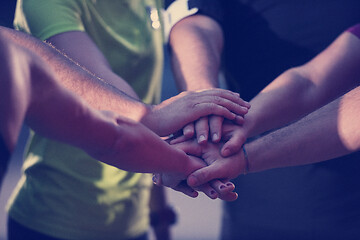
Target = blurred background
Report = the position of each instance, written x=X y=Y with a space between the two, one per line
x=198 y=219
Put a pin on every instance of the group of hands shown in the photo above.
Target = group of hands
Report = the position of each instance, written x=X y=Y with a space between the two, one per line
x=213 y=143
x=207 y=131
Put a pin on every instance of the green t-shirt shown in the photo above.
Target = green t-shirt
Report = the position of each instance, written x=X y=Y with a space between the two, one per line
x=63 y=192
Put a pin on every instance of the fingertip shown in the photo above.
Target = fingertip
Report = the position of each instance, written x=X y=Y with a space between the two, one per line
x=215 y=137
x=213 y=194
x=230 y=185
x=225 y=152
x=188 y=132
x=202 y=139
x=194 y=194
x=192 y=181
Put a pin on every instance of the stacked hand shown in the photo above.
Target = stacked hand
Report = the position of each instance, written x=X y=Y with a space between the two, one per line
x=222 y=161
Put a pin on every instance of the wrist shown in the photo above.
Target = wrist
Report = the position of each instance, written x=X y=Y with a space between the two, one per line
x=149 y=118
x=246 y=161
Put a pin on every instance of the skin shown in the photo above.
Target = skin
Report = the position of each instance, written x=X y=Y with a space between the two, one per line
x=324 y=134
x=102 y=95
x=59 y=114
x=196 y=62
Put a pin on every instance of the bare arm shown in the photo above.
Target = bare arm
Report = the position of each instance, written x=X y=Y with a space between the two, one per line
x=30 y=92
x=196 y=43
x=196 y=46
x=104 y=96
x=303 y=89
x=327 y=133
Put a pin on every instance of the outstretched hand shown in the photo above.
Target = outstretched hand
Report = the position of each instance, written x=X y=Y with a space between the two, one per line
x=173 y=114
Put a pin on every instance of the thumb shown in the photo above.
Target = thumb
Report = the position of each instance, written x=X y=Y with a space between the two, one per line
x=233 y=145
x=204 y=175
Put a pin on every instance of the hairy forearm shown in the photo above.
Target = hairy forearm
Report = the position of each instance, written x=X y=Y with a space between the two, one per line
x=98 y=93
x=322 y=135
x=196 y=44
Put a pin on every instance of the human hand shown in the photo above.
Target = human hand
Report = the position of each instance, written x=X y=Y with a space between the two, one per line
x=221 y=188
x=218 y=166
x=131 y=146
x=204 y=126
x=173 y=114
x=233 y=137
x=213 y=189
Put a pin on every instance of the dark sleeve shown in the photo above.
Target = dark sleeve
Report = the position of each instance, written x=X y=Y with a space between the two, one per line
x=355 y=30
x=210 y=8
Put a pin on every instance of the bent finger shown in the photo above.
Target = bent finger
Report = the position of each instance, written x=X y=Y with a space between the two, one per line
x=227 y=94
x=224 y=189
x=204 y=175
x=233 y=145
x=185 y=189
x=208 y=190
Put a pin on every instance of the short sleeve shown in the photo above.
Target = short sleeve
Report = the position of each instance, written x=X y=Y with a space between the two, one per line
x=44 y=18
x=211 y=8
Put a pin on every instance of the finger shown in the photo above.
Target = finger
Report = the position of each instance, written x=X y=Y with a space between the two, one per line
x=233 y=145
x=205 y=109
x=227 y=94
x=208 y=190
x=202 y=130
x=189 y=130
x=230 y=196
x=215 y=123
x=190 y=147
x=204 y=175
x=224 y=189
x=177 y=140
x=221 y=187
x=222 y=102
x=185 y=189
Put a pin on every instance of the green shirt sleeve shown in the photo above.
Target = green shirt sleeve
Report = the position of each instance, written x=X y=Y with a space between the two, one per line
x=44 y=18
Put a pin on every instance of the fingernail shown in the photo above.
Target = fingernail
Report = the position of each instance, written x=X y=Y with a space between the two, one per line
x=229 y=184
x=215 y=137
x=201 y=139
x=222 y=186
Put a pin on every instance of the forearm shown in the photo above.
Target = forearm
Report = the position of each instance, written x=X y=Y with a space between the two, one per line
x=303 y=89
x=324 y=134
x=196 y=44
x=95 y=91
